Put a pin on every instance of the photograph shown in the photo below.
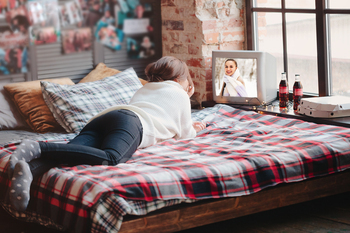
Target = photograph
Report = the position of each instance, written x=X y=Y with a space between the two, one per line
x=109 y=36
x=42 y=35
x=18 y=19
x=36 y=12
x=93 y=14
x=74 y=12
x=63 y=15
x=140 y=47
x=51 y=12
x=13 y=52
x=236 y=77
x=76 y=40
x=132 y=16
x=3 y=8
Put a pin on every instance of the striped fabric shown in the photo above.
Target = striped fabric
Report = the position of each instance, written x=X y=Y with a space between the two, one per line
x=240 y=153
x=73 y=105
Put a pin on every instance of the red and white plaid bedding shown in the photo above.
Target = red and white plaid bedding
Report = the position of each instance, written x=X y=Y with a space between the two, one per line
x=240 y=153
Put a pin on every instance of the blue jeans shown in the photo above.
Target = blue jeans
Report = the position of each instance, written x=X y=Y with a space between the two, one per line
x=109 y=139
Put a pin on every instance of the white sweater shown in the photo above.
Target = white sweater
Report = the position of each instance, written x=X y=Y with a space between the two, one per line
x=164 y=110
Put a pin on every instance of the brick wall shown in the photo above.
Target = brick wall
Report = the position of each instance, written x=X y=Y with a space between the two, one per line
x=191 y=29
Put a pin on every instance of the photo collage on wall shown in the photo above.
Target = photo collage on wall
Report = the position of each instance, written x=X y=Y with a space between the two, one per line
x=74 y=24
x=114 y=20
x=14 y=39
x=45 y=23
x=135 y=20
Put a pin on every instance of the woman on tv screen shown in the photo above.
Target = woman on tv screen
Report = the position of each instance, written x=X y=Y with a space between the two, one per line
x=233 y=82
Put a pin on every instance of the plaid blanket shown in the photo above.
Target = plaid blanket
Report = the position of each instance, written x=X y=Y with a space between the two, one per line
x=240 y=153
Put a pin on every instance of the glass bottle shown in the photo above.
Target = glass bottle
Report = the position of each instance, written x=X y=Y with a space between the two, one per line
x=283 y=91
x=297 y=92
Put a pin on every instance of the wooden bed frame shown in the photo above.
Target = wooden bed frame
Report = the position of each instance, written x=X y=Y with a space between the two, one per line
x=186 y=216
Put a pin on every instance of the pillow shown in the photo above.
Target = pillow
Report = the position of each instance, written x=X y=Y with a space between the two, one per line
x=28 y=98
x=102 y=71
x=73 y=106
x=10 y=118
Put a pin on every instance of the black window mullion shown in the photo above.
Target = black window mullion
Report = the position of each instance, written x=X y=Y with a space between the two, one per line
x=249 y=24
x=323 y=67
x=284 y=38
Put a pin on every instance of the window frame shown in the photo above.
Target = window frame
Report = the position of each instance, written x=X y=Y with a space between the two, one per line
x=322 y=37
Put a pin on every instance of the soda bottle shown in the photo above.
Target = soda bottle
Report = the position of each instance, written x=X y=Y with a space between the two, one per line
x=283 y=91
x=297 y=92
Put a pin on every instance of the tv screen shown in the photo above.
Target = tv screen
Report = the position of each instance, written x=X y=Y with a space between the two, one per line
x=243 y=77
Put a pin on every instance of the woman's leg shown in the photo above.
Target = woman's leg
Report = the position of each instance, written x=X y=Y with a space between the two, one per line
x=117 y=133
x=109 y=139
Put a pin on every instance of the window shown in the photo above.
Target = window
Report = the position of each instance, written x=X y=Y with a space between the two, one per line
x=307 y=37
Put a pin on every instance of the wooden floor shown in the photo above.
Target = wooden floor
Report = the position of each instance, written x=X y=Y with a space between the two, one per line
x=328 y=215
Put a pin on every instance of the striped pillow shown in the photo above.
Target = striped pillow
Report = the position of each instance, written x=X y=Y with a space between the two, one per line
x=73 y=106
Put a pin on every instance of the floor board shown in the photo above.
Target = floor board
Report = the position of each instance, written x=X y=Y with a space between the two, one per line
x=325 y=215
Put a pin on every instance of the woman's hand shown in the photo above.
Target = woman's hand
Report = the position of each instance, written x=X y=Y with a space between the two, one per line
x=198 y=126
x=190 y=90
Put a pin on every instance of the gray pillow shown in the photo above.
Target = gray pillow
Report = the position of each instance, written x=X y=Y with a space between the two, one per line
x=10 y=118
x=73 y=106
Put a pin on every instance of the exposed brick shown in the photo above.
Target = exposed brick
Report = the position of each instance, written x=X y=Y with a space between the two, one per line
x=193 y=26
x=208 y=24
x=220 y=4
x=168 y=2
x=173 y=25
x=195 y=62
x=192 y=29
x=234 y=45
x=208 y=96
x=174 y=36
x=232 y=36
x=185 y=3
x=211 y=38
x=178 y=49
x=193 y=49
x=235 y=22
x=208 y=62
x=164 y=37
x=188 y=37
x=187 y=12
x=209 y=86
x=166 y=49
x=192 y=74
x=208 y=74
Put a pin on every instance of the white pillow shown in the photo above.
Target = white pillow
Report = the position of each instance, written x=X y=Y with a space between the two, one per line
x=10 y=118
x=73 y=105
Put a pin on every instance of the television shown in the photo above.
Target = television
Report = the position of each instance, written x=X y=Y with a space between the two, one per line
x=244 y=77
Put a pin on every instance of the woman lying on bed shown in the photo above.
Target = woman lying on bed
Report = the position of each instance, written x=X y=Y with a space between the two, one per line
x=158 y=111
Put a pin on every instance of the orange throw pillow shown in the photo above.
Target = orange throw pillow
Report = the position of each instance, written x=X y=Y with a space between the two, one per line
x=28 y=98
x=101 y=71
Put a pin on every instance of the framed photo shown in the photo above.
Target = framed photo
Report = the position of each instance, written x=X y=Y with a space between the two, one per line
x=109 y=36
x=76 y=40
x=140 y=46
x=18 y=19
x=13 y=52
x=74 y=12
x=43 y=35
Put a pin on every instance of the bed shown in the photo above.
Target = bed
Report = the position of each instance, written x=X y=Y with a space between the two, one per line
x=243 y=162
